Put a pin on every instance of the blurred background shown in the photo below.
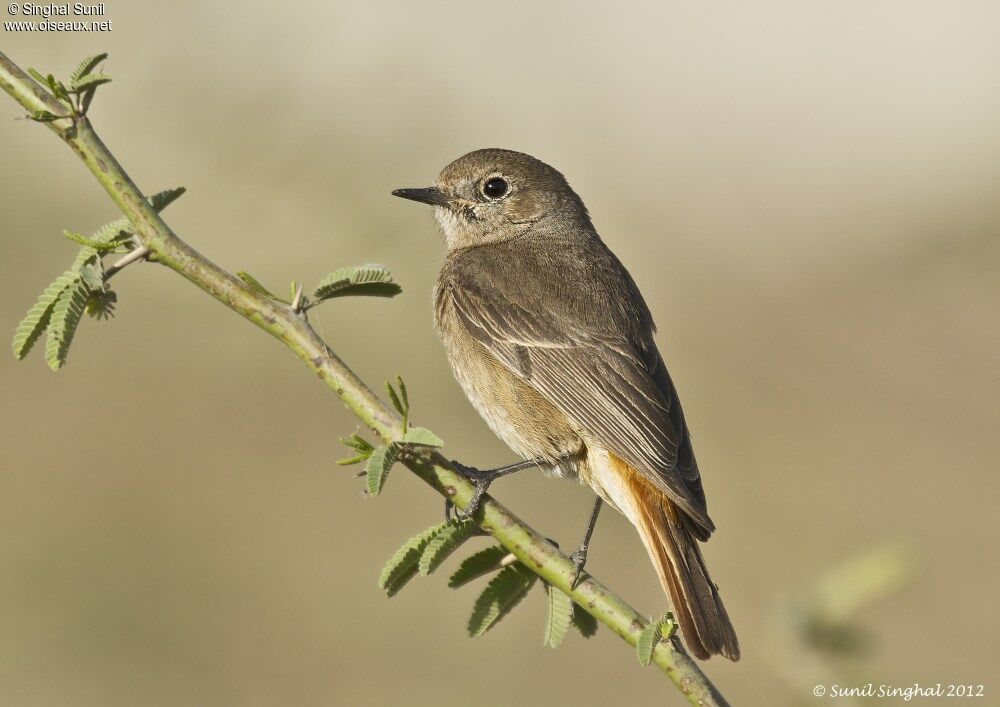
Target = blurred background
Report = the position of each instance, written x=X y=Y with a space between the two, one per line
x=807 y=194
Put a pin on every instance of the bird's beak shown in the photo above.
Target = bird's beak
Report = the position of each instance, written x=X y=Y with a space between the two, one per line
x=427 y=195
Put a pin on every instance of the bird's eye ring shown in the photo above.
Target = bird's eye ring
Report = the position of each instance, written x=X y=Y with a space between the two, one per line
x=495 y=188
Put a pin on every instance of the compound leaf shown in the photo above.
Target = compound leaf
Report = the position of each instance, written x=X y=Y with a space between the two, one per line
x=422 y=437
x=478 y=565
x=559 y=617
x=88 y=82
x=402 y=566
x=379 y=463
x=165 y=198
x=109 y=242
x=365 y=280
x=65 y=318
x=502 y=594
x=648 y=639
x=43 y=116
x=359 y=443
x=86 y=66
x=444 y=543
x=37 y=320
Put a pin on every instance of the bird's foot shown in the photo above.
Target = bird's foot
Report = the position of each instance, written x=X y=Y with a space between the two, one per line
x=481 y=480
x=579 y=559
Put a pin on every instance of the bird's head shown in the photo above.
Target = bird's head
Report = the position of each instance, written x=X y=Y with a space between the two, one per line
x=494 y=195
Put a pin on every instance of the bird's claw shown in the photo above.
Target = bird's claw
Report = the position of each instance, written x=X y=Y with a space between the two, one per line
x=481 y=480
x=579 y=559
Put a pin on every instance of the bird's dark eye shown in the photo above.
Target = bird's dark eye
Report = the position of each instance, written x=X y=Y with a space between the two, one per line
x=495 y=188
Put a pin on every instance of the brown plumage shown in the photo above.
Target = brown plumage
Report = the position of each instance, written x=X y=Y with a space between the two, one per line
x=552 y=342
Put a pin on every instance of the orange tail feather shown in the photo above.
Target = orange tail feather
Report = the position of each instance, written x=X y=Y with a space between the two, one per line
x=680 y=566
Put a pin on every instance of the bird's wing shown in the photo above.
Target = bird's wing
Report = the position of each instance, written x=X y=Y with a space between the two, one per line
x=591 y=369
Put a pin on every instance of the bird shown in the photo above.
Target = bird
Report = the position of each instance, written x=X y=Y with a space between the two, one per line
x=552 y=342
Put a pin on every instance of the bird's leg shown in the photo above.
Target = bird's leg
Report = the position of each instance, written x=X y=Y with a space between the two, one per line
x=580 y=556
x=482 y=480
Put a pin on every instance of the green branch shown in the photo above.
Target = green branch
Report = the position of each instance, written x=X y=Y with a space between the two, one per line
x=285 y=323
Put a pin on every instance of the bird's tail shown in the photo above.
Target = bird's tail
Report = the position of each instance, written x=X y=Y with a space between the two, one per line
x=678 y=561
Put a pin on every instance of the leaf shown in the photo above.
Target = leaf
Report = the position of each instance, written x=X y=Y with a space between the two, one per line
x=86 y=256
x=362 y=446
x=359 y=443
x=101 y=245
x=584 y=622
x=87 y=65
x=165 y=198
x=92 y=274
x=37 y=76
x=88 y=82
x=356 y=459
x=422 y=437
x=444 y=543
x=502 y=594
x=57 y=88
x=648 y=639
x=559 y=618
x=37 y=320
x=254 y=285
x=66 y=316
x=101 y=304
x=379 y=463
x=475 y=566
x=402 y=566
x=116 y=230
x=394 y=399
x=364 y=280
x=402 y=394
x=44 y=116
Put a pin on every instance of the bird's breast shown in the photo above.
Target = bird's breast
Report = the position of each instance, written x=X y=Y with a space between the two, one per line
x=517 y=413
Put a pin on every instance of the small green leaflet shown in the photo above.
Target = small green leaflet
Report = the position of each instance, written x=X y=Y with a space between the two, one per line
x=444 y=543
x=422 y=437
x=57 y=88
x=161 y=200
x=379 y=463
x=100 y=245
x=118 y=229
x=90 y=81
x=37 y=76
x=501 y=595
x=86 y=66
x=38 y=317
x=651 y=635
x=399 y=400
x=65 y=317
x=367 y=280
x=44 y=116
x=479 y=565
x=361 y=445
x=402 y=567
x=584 y=622
x=559 y=617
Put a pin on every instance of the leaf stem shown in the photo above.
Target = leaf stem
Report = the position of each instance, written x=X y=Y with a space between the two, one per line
x=281 y=322
x=139 y=253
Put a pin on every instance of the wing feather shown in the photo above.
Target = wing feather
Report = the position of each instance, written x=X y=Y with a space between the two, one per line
x=609 y=380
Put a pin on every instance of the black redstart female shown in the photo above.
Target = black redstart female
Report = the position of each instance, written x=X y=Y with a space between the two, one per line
x=552 y=342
